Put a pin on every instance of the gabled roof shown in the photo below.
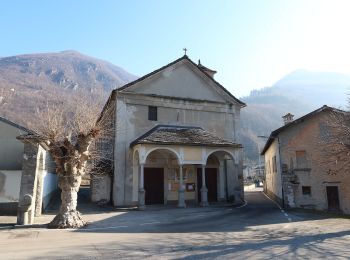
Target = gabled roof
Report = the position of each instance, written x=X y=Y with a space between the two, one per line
x=274 y=134
x=185 y=57
x=182 y=135
x=6 y=121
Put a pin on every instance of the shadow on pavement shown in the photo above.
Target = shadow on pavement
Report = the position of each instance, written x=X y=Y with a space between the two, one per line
x=261 y=245
x=259 y=211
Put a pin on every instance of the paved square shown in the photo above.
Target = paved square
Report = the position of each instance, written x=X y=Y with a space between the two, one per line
x=259 y=230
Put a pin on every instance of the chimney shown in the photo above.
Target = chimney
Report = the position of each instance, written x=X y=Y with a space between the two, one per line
x=288 y=118
x=206 y=70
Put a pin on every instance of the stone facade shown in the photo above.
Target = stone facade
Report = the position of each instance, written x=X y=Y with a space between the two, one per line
x=182 y=95
x=38 y=183
x=301 y=177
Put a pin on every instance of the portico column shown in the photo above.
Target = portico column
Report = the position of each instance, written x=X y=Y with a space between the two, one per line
x=181 y=200
x=204 y=190
x=141 y=189
x=222 y=181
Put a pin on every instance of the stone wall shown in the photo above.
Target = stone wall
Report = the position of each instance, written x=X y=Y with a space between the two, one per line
x=27 y=196
x=37 y=185
x=101 y=174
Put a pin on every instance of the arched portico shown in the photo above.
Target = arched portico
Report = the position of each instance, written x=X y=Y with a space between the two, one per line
x=175 y=170
x=154 y=166
x=183 y=153
x=229 y=185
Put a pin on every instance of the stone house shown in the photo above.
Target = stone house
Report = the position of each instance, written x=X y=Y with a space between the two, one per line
x=14 y=170
x=296 y=171
x=175 y=140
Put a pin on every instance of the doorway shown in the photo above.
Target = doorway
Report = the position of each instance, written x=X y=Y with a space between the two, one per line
x=211 y=183
x=154 y=185
x=333 y=198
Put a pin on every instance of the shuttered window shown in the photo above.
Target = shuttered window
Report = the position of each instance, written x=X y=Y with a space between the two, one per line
x=301 y=159
x=152 y=113
x=274 y=164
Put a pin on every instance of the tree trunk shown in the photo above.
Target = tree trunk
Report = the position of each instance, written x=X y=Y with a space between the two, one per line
x=68 y=216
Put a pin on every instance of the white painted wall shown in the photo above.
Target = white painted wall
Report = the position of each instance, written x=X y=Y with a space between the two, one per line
x=11 y=149
x=9 y=185
x=50 y=183
x=273 y=179
x=44 y=169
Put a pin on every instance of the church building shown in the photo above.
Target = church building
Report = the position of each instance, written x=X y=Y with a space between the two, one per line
x=174 y=142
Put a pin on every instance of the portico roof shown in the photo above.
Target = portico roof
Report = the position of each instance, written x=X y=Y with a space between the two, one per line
x=182 y=135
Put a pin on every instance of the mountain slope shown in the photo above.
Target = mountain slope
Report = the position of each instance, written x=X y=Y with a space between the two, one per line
x=67 y=69
x=33 y=79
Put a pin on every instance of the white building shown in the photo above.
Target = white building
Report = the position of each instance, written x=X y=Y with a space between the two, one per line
x=173 y=126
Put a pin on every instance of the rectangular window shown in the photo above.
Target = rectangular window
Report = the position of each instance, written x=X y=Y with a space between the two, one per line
x=152 y=113
x=306 y=190
x=274 y=164
x=301 y=159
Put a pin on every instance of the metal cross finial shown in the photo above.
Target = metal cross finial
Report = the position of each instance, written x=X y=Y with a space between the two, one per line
x=185 y=50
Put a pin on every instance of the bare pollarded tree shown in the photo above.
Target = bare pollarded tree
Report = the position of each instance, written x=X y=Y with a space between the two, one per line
x=333 y=150
x=69 y=129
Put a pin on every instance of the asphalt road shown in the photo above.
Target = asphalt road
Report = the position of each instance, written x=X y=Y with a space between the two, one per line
x=258 y=230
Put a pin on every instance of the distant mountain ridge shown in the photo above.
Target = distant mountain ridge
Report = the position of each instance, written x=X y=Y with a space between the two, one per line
x=33 y=79
x=67 y=69
x=299 y=92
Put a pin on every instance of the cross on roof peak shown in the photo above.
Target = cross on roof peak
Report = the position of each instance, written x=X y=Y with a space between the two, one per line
x=185 y=50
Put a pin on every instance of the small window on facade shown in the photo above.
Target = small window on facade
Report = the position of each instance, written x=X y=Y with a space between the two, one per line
x=274 y=164
x=152 y=113
x=301 y=159
x=306 y=190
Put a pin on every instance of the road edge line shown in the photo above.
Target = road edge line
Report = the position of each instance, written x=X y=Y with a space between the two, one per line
x=280 y=208
x=278 y=205
x=245 y=204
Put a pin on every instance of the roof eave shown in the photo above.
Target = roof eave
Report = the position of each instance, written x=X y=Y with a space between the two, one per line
x=268 y=144
x=185 y=57
x=186 y=144
x=275 y=133
x=24 y=129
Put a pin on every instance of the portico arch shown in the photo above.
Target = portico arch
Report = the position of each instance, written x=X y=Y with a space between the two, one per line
x=221 y=170
x=221 y=151
x=156 y=165
x=169 y=149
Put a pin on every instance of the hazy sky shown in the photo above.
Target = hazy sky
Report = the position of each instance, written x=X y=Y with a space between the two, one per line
x=250 y=43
